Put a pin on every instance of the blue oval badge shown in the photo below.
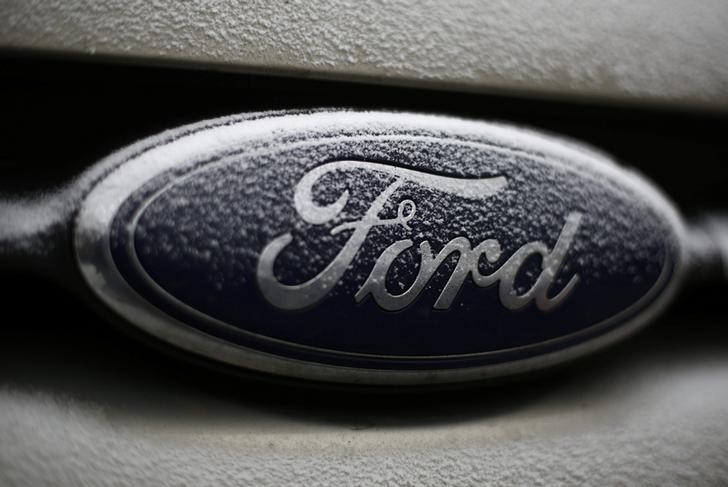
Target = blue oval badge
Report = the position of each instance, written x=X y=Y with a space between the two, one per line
x=381 y=248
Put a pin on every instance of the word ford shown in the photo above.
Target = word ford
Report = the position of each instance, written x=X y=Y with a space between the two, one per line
x=298 y=296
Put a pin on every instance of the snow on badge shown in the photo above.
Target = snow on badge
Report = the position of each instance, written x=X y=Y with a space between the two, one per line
x=376 y=248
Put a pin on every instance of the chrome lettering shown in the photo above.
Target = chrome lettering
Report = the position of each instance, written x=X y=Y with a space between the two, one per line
x=298 y=296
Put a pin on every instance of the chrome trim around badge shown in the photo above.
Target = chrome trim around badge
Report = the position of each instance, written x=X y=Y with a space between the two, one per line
x=91 y=242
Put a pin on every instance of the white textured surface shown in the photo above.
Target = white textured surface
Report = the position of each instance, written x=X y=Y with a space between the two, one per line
x=676 y=434
x=80 y=405
x=660 y=50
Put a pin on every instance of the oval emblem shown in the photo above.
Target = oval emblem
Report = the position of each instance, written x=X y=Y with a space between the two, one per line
x=380 y=248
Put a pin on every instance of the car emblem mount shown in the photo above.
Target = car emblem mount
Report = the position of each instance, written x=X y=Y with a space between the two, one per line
x=374 y=247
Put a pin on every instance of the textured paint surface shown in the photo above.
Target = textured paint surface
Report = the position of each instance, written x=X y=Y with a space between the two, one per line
x=657 y=415
x=669 y=51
